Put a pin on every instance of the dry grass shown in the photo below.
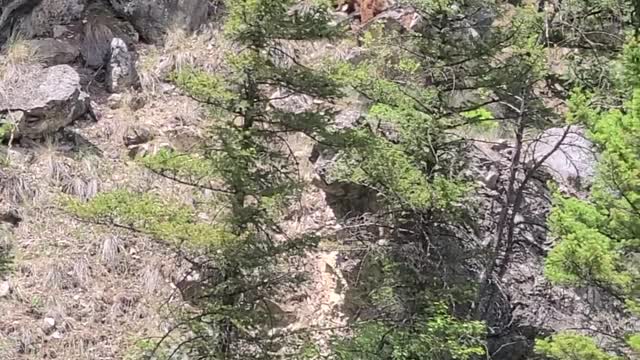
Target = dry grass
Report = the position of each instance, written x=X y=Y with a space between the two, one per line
x=205 y=50
x=16 y=62
x=49 y=155
x=18 y=190
x=150 y=71
x=111 y=248
x=18 y=52
x=85 y=182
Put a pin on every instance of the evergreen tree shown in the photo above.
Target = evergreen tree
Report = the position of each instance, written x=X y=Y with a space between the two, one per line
x=599 y=237
x=249 y=165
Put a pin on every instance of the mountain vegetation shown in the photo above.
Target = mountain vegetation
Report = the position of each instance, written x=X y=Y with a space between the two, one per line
x=480 y=160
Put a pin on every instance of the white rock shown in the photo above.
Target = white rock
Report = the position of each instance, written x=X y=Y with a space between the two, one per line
x=115 y=101
x=5 y=289
x=48 y=324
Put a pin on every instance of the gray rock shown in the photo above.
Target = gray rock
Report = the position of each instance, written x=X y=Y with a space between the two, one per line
x=573 y=163
x=278 y=314
x=12 y=14
x=100 y=27
x=401 y=19
x=60 y=31
x=490 y=179
x=35 y=18
x=114 y=101
x=153 y=18
x=136 y=102
x=5 y=289
x=48 y=99
x=54 y=52
x=121 y=71
x=137 y=135
x=48 y=325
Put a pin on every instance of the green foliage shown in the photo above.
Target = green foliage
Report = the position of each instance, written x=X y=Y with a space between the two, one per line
x=570 y=346
x=6 y=129
x=150 y=214
x=634 y=342
x=584 y=256
x=377 y=163
x=598 y=234
x=438 y=336
x=256 y=22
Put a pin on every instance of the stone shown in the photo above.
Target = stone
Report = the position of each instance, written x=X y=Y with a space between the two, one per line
x=490 y=179
x=54 y=52
x=285 y=100
x=36 y=18
x=48 y=98
x=500 y=145
x=48 y=325
x=137 y=135
x=399 y=19
x=278 y=314
x=60 y=31
x=573 y=163
x=5 y=289
x=136 y=102
x=114 y=101
x=153 y=18
x=121 y=71
x=101 y=26
x=11 y=217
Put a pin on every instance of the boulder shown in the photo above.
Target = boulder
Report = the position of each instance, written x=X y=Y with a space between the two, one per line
x=401 y=19
x=49 y=13
x=12 y=13
x=153 y=18
x=44 y=99
x=574 y=161
x=137 y=135
x=54 y=52
x=101 y=26
x=121 y=71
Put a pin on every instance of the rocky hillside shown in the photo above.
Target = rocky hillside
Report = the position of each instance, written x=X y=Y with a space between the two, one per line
x=428 y=195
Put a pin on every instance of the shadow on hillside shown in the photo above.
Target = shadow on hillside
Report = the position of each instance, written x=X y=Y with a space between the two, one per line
x=66 y=141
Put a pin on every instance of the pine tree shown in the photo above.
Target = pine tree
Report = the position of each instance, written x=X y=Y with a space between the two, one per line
x=249 y=165
x=599 y=236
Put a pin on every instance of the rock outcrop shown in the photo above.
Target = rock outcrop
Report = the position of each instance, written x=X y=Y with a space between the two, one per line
x=43 y=100
x=12 y=13
x=49 y=13
x=54 y=52
x=153 y=18
x=100 y=28
x=573 y=163
x=37 y=18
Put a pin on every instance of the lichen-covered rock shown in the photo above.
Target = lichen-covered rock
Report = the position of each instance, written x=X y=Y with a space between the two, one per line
x=12 y=14
x=121 y=71
x=54 y=52
x=153 y=18
x=48 y=99
x=36 y=18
